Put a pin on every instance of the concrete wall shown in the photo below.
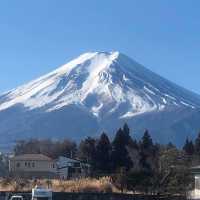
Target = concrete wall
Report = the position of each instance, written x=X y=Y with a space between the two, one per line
x=100 y=196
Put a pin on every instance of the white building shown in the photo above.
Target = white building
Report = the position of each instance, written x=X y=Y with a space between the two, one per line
x=71 y=168
x=32 y=165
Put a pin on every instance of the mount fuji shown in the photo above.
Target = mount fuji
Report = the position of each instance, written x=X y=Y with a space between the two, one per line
x=99 y=91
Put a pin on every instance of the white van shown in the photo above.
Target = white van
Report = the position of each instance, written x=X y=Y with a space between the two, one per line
x=39 y=193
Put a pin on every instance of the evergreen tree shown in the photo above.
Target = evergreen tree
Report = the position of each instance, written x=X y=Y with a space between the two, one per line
x=188 y=147
x=103 y=151
x=146 y=142
x=191 y=147
x=126 y=131
x=128 y=139
x=147 y=152
x=120 y=155
x=197 y=145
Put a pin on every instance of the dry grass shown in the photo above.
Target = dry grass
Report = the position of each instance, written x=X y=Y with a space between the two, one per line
x=101 y=185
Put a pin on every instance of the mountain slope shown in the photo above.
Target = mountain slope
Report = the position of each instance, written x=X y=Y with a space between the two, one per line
x=96 y=91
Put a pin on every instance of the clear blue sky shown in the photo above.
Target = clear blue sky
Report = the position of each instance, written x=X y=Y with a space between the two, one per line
x=38 y=36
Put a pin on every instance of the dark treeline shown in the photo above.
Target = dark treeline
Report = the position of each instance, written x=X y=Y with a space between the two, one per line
x=50 y=148
x=134 y=165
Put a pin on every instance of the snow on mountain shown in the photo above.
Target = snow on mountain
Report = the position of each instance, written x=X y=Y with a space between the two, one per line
x=106 y=85
x=100 y=79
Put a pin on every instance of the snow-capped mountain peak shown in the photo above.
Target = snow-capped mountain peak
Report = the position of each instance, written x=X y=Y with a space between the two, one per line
x=101 y=83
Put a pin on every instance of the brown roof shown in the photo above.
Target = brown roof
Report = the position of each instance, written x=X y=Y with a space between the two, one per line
x=25 y=157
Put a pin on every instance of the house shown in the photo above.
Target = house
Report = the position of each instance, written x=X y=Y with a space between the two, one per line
x=69 y=168
x=32 y=166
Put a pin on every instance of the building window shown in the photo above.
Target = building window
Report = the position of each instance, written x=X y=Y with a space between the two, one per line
x=77 y=164
x=29 y=164
x=53 y=166
x=33 y=164
x=25 y=164
x=18 y=165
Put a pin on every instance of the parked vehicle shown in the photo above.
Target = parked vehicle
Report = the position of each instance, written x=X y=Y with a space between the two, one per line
x=39 y=193
x=16 y=197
